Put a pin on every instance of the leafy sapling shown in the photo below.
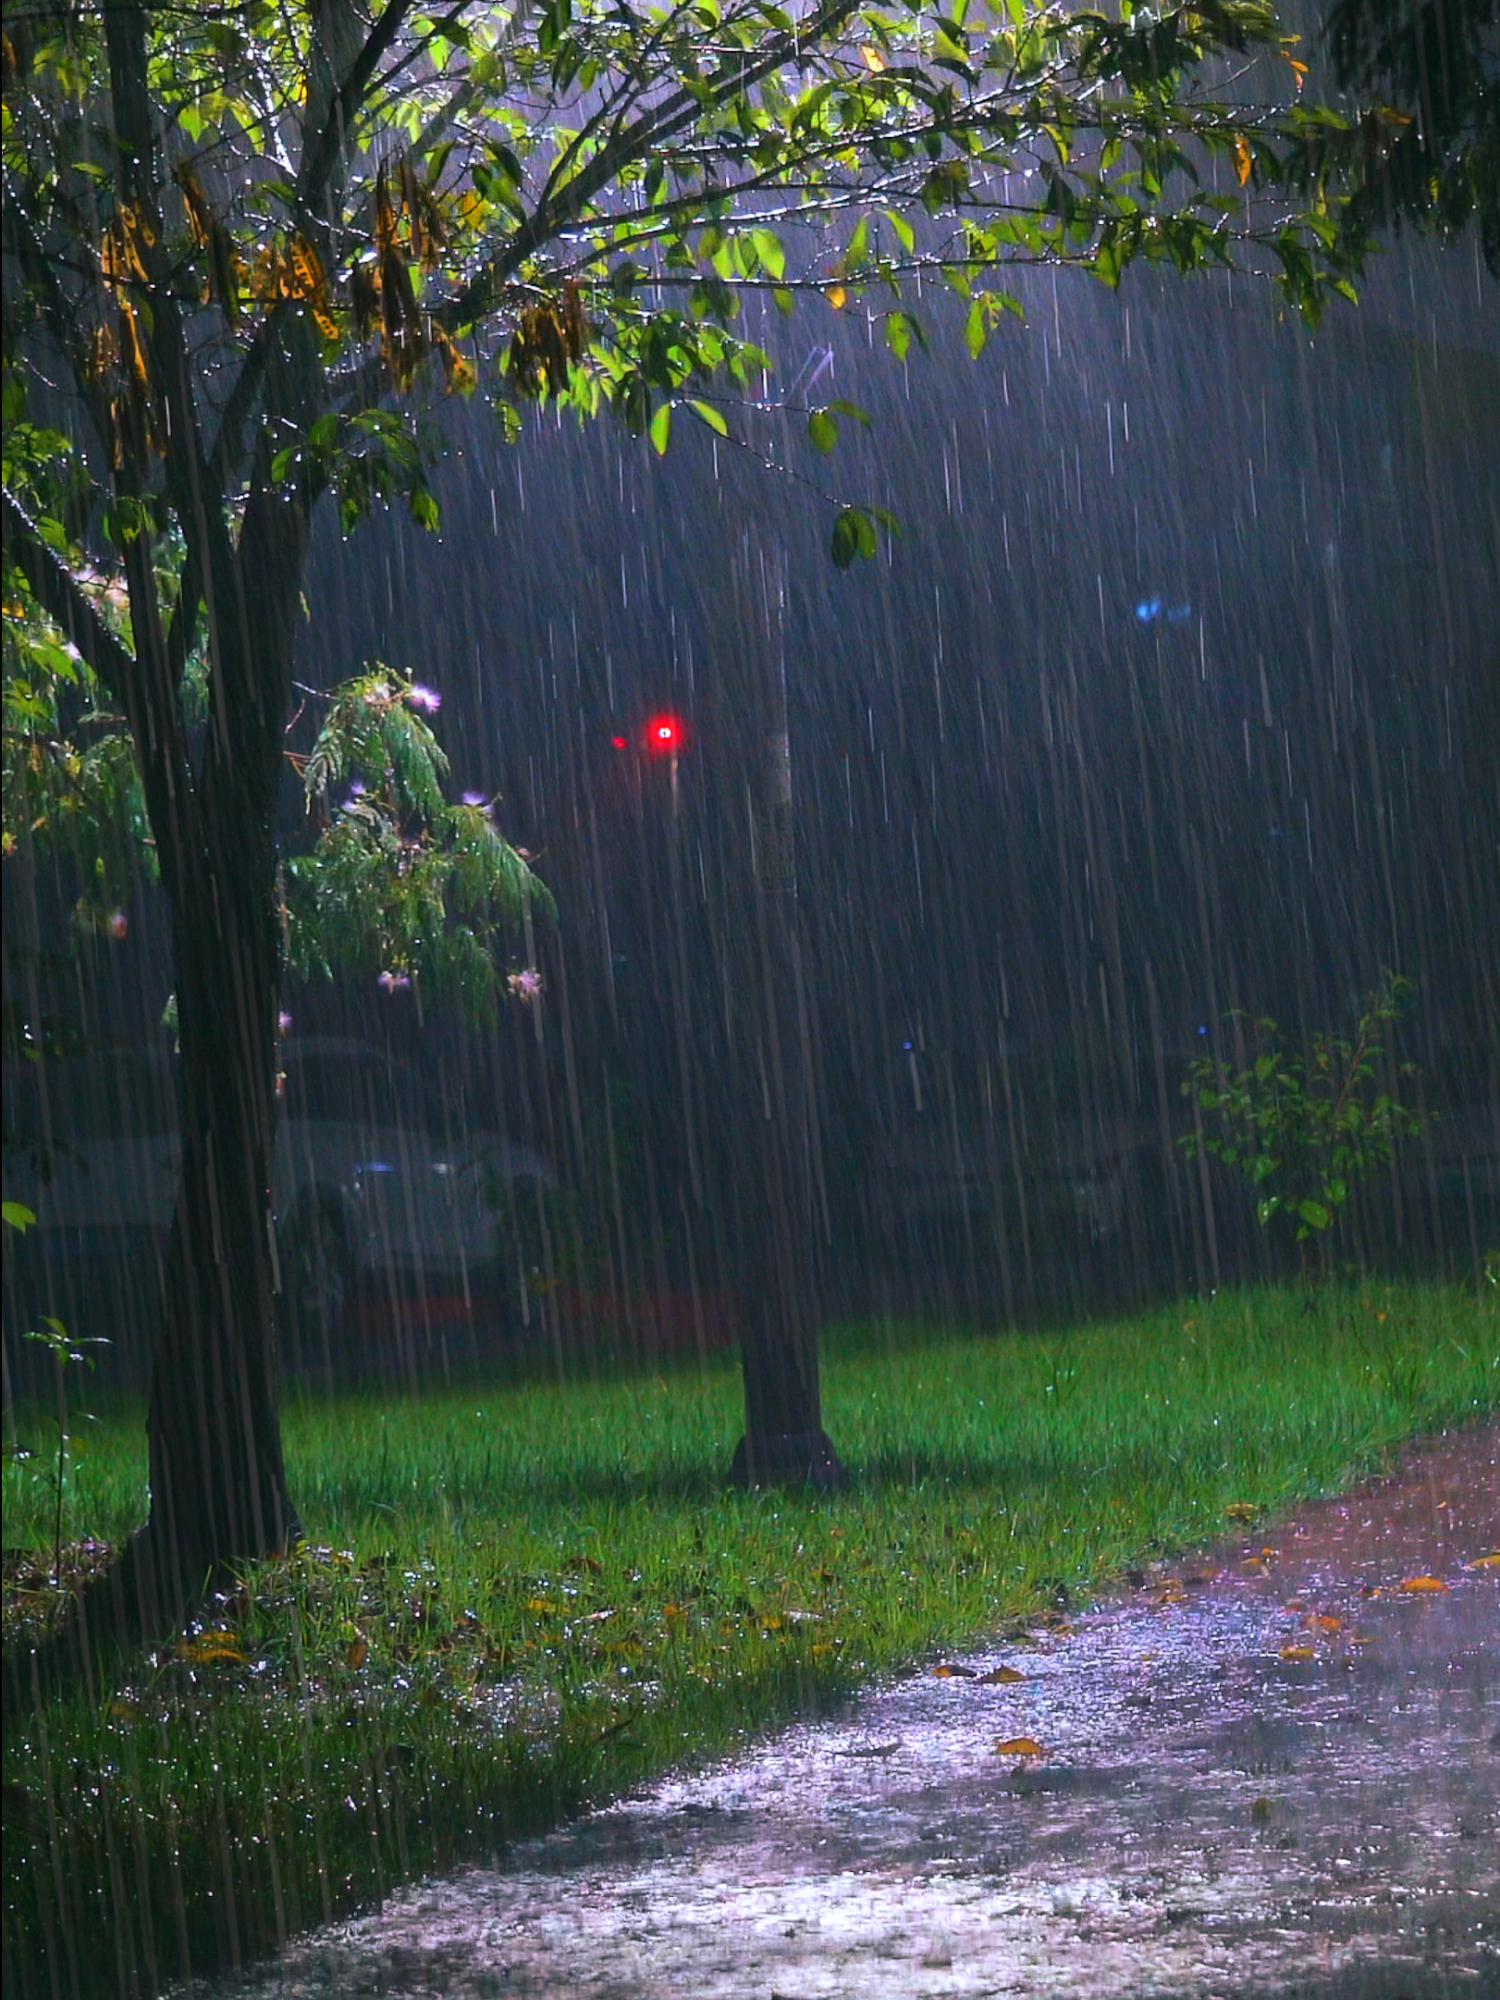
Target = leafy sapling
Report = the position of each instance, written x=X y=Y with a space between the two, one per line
x=1305 y=1129
x=65 y=1352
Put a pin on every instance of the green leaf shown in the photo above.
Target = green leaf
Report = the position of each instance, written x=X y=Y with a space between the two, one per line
x=706 y=413
x=905 y=234
x=823 y=429
x=17 y=1215
x=661 y=427
x=768 y=249
x=976 y=331
x=853 y=535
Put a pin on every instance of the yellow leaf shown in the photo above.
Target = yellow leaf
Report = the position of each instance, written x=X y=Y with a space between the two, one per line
x=1423 y=1583
x=1318 y=1622
x=307 y=273
x=1002 y=1677
x=947 y=1671
x=1242 y=1510
x=1018 y=1746
x=1298 y=1653
x=1299 y=70
x=1486 y=1562
x=836 y=296
x=209 y=1647
x=1241 y=174
x=541 y=1605
x=357 y=1651
x=871 y=57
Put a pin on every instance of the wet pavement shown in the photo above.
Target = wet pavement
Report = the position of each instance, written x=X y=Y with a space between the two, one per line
x=1275 y=1774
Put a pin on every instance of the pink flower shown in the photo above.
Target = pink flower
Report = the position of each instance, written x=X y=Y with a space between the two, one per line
x=424 y=698
x=283 y=1022
x=395 y=982
x=475 y=799
x=117 y=923
x=525 y=986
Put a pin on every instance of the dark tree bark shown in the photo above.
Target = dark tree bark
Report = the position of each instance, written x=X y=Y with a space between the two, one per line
x=217 y=1477
x=776 y=1212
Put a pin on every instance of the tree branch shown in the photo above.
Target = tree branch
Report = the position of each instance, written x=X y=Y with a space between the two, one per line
x=318 y=164
x=59 y=314
x=646 y=134
x=57 y=590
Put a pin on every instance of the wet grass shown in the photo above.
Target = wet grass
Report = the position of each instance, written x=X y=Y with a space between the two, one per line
x=515 y=1602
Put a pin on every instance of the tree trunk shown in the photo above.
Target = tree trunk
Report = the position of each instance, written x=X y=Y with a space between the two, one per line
x=776 y=1209
x=218 y=1485
x=779 y=1290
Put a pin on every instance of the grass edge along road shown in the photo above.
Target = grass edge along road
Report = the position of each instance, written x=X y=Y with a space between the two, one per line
x=517 y=1602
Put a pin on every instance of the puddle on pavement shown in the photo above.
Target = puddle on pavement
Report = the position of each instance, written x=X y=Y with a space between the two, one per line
x=1276 y=1774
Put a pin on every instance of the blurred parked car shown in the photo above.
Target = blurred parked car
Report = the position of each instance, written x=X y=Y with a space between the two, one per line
x=380 y=1190
x=381 y=1193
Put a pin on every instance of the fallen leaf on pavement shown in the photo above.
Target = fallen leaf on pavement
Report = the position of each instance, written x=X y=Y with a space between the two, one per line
x=1018 y=1746
x=947 y=1671
x=1423 y=1583
x=1298 y=1653
x=1001 y=1677
x=1486 y=1562
x=1242 y=1510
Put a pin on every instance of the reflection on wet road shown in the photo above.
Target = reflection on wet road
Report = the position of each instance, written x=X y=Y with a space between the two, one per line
x=1278 y=1774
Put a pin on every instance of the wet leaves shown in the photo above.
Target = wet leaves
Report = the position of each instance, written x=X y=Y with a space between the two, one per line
x=948 y=1670
x=1023 y=1747
x=213 y=1648
x=1418 y=1584
x=1299 y=1652
x=1002 y=1677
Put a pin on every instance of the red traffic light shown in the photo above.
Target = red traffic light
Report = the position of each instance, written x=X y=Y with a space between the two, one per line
x=663 y=735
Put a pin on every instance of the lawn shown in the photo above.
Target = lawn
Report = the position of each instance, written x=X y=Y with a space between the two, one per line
x=516 y=1601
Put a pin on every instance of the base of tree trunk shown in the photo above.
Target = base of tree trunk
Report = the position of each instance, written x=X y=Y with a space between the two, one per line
x=793 y=1458
x=142 y=1600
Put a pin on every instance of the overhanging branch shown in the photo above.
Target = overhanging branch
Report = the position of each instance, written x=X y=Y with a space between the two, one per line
x=57 y=590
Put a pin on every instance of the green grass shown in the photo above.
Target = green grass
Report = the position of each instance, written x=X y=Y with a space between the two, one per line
x=517 y=1601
